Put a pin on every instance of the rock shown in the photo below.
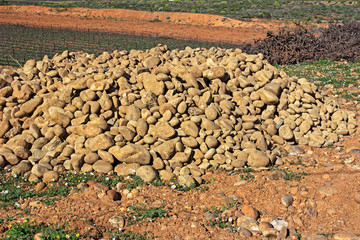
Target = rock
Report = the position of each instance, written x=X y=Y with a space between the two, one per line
x=271 y=232
x=39 y=170
x=39 y=186
x=276 y=175
x=127 y=133
x=211 y=112
x=91 y=158
x=117 y=222
x=126 y=169
x=98 y=186
x=4 y=127
x=357 y=196
x=209 y=216
x=152 y=84
x=2 y=162
x=287 y=200
x=131 y=153
x=166 y=175
x=213 y=73
x=76 y=162
x=187 y=181
x=284 y=233
x=247 y=223
x=102 y=166
x=29 y=107
x=11 y=158
x=100 y=142
x=21 y=168
x=113 y=195
x=278 y=224
x=285 y=132
x=305 y=126
x=104 y=155
x=296 y=150
x=146 y=173
x=60 y=118
x=267 y=97
x=245 y=233
x=40 y=236
x=133 y=113
x=327 y=190
x=211 y=141
x=264 y=226
x=249 y=211
x=142 y=127
x=50 y=176
x=164 y=131
x=208 y=124
x=151 y=62
x=190 y=128
x=166 y=150
x=346 y=236
x=257 y=159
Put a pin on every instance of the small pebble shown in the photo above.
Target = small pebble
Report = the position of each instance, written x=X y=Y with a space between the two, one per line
x=287 y=200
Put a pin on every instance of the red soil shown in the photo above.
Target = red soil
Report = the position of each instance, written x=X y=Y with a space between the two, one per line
x=201 y=27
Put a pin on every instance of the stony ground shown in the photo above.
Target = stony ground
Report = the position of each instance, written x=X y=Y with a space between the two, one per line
x=313 y=195
x=326 y=201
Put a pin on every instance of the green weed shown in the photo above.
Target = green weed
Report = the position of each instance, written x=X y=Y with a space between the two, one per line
x=49 y=201
x=327 y=235
x=131 y=236
x=290 y=175
x=218 y=220
x=248 y=177
x=135 y=214
x=324 y=72
x=27 y=230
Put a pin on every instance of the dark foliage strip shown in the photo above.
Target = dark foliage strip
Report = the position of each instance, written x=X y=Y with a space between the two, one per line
x=337 y=42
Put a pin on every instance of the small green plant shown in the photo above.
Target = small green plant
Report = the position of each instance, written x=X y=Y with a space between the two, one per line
x=297 y=162
x=298 y=234
x=49 y=201
x=290 y=175
x=131 y=236
x=135 y=214
x=156 y=20
x=248 y=177
x=221 y=223
x=27 y=230
x=327 y=234
x=218 y=220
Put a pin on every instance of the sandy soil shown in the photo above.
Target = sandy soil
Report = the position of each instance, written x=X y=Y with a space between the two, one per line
x=190 y=26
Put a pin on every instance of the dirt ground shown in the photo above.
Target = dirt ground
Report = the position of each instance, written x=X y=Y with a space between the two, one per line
x=326 y=200
x=200 y=27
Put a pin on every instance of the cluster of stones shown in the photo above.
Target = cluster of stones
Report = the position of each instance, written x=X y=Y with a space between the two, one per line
x=172 y=113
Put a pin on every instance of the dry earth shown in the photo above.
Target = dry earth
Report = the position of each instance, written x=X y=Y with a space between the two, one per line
x=191 y=26
x=326 y=201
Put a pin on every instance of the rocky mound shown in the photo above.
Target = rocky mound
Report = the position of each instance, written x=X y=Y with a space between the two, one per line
x=169 y=112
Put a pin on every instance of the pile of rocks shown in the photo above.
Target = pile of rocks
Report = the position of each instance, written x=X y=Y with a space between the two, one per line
x=160 y=111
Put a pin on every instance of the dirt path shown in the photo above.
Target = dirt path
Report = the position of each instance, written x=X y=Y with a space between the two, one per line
x=189 y=26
